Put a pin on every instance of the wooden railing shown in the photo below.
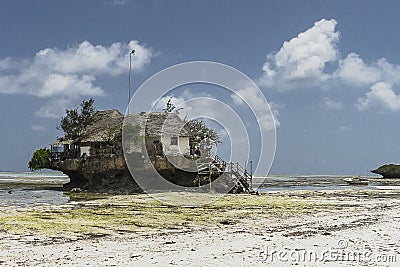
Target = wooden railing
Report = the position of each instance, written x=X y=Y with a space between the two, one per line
x=75 y=153
x=236 y=172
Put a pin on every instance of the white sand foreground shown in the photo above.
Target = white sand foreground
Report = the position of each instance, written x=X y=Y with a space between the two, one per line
x=366 y=233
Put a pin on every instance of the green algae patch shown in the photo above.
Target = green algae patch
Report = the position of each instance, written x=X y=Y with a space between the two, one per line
x=99 y=215
x=85 y=196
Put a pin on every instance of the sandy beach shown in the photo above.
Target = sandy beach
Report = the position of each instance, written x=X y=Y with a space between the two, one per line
x=302 y=228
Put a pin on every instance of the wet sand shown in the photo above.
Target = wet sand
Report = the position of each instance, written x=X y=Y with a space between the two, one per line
x=349 y=228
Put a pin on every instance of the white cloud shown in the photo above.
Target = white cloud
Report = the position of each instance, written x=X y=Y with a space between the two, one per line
x=38 y=128
x=353 y=71
x=252 y=95
x=69 y=86
x=380 y=98
x=389 y=72
x=381 y=75
x=343 y=128
x=8 y=84
x=64 y=76
x=255 y=100
x=119 y=2
x=301 y=61
x=87 y=58
x=55 y=108
x=7 y=63
x=328 y=103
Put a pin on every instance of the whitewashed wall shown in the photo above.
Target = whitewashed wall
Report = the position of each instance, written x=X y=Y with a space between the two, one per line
x=85 y=150
x=182 y=148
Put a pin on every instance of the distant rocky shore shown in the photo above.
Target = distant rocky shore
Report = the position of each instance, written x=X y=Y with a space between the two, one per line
x=388 y=171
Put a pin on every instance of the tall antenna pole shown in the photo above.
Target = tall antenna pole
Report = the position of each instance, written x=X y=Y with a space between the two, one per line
x=130 y=69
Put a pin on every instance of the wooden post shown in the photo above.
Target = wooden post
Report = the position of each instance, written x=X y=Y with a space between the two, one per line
x=198 y=176
x=230 y=171
x=251 y=173
x=209 y=175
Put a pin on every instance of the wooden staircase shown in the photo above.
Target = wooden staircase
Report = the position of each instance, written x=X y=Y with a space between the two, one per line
x=214 y=166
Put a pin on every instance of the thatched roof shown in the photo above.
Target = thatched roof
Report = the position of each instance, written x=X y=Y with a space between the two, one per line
x=155 y=124
x=61 y=141
x=107 y=124
x=105 y=127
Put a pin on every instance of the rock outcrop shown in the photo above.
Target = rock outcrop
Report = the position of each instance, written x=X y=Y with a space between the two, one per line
x=104 y=174
x=110 y=174
x=388 y=171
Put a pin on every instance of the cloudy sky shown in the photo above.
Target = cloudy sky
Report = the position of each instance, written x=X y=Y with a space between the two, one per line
x=330 y=69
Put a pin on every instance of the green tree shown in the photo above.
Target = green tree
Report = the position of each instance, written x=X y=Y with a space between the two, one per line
x=76 y=120
x=202 y=136
x=40 y=159
x=170 y=107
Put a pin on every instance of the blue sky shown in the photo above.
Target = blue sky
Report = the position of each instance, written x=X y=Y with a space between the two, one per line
x=330 y=69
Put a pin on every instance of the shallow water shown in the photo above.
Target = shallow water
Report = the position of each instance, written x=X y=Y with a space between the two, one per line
x=26 y=189
x=316 y=182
